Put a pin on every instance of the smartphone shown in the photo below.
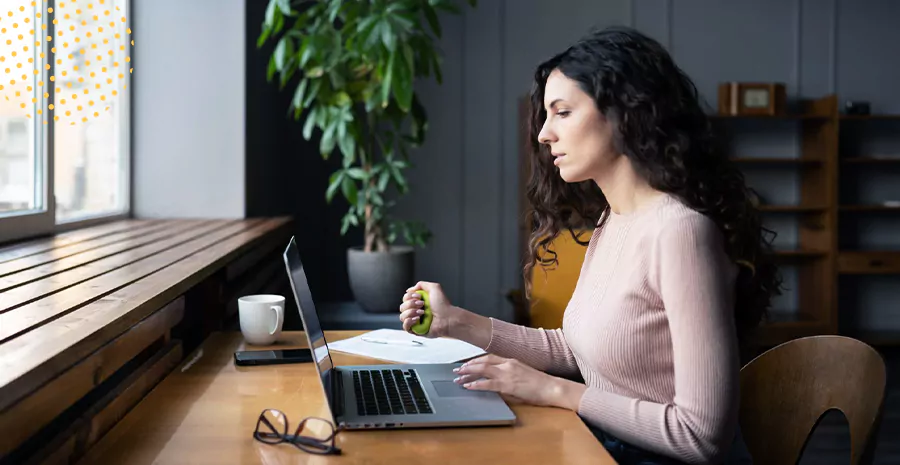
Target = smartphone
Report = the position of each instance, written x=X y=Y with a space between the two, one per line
x=272 y=357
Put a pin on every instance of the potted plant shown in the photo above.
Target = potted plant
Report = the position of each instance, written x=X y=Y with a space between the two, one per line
x=352 y=65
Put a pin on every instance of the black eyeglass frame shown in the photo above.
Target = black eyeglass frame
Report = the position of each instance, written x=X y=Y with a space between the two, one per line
x=307 y=444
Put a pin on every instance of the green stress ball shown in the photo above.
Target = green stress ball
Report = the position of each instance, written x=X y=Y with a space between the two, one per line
x=424 y=324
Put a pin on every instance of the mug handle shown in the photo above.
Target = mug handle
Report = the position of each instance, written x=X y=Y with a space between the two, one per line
x=279 y=318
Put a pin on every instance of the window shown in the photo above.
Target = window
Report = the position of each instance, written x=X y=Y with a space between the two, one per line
x=64 y=114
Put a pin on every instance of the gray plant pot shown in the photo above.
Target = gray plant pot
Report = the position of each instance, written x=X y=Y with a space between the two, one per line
x=378 y=279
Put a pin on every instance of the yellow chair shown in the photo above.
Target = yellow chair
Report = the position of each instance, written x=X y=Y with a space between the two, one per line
x=552 y=289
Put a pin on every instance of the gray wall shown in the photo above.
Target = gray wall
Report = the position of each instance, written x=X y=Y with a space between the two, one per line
x=466 y=179
x=188 y=130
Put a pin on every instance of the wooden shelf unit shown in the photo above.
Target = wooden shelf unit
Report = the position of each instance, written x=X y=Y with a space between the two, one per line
x=858 y=261
x=820 y=167
x=815 y=254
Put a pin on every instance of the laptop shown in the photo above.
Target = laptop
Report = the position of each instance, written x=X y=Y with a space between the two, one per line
x=394 y=395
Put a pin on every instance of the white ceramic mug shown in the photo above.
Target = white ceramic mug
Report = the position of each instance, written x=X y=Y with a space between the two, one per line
x=262 y=317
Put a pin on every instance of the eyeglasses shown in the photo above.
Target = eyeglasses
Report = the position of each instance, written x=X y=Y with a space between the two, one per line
x=272 y=428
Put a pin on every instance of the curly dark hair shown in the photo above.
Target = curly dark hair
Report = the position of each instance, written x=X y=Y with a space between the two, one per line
x=660 y=125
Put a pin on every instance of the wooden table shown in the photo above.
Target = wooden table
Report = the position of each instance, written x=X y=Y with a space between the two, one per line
x=206 y=410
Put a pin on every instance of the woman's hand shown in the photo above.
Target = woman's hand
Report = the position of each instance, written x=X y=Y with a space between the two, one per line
x=443 y=313
x=520 y=382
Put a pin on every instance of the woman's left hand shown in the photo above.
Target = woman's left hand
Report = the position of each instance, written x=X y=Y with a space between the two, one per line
x=518 y=381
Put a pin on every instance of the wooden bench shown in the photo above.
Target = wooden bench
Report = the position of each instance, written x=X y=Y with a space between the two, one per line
x=92 y=319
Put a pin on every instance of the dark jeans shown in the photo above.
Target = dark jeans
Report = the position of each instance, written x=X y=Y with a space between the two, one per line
x=627 y=454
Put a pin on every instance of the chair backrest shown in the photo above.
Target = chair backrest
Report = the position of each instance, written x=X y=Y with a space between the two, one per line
x=786 y=391
x=551 y=290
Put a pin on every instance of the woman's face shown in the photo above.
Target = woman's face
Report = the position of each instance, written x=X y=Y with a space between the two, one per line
x=578 y=135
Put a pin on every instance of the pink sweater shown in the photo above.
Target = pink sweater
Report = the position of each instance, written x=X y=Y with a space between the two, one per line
x=650 y=329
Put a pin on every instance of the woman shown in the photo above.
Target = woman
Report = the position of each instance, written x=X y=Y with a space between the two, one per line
x=677 y=269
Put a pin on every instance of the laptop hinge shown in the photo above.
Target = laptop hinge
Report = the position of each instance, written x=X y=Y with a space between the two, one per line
x=337 y=393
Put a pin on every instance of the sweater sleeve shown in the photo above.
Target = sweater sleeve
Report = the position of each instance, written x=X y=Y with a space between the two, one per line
x=695 y=281
x=542 y=349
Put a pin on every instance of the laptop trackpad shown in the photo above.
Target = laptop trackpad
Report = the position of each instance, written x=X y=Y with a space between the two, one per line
x=451 y=389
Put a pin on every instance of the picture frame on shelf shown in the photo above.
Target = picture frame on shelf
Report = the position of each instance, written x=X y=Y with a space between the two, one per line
x=752 y=99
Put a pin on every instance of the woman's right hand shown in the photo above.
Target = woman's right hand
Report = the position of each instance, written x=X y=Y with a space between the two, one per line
x=442 y=311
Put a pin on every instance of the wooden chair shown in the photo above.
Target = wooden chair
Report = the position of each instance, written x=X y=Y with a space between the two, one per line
x=787 y=390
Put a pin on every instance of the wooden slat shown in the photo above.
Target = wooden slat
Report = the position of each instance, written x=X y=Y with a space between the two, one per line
x=869 y=262
x=49 y=256
x=70 y=288
x=51 y=298
x=66 y=239
x=27 y=415
x=84 y=432
x=74 y=261
x=38 y=355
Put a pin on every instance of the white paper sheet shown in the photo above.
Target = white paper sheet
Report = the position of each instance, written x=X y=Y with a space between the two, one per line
x=437 y=350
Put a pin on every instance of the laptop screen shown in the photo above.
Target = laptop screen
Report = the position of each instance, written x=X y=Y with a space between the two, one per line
x=310 y=318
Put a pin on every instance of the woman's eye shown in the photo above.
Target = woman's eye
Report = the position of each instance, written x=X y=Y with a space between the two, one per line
x=563 y=113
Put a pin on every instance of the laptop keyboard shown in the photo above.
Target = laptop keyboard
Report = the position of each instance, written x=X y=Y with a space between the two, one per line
x=386 y=392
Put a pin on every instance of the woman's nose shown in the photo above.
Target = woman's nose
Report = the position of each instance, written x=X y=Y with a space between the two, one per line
x=545 y=136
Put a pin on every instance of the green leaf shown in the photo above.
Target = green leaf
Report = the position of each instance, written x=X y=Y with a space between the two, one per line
x=376 y=199
x=284 y=49
x=288 y=72
x=333 y=183
x=399 y=179
x=402 y=23
x=388 y=38
x=345 y=224
x=326 y=145
x=297 y=101
x=307 y=49
x=333 y=10
x=357 y=173
x=388 y=77
x=337 y=79
x=347 y=144
x=348 y=187
x=403 y=85
x=284 y=6
x=270 y=71
x=279 y=21
x=271 y=9
x=432 y=18
x=263 y=37
x=383 y=180
x=310 y=123
x=391 y=236
x=313 y=92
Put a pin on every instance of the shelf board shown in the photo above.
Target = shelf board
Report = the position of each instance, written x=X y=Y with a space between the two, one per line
x=777 y=161
x=869 y=262
x=871 y=117
x=795 y=116
x=871 y=160
x=867 y=208
x=791 y=208
x=800 y=253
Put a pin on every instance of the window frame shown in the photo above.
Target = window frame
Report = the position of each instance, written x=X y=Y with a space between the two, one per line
x=16 y=227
